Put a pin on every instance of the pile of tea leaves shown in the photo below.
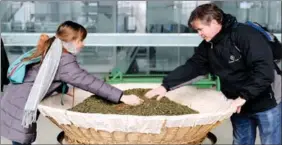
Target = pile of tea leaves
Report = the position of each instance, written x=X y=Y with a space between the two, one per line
x=149 y=107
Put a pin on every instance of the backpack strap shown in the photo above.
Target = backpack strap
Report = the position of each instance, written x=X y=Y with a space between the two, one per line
x=278 y=70
x=233 y=42
x=257 y=26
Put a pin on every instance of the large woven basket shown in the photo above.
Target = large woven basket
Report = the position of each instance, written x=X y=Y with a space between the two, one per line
x=86 y=128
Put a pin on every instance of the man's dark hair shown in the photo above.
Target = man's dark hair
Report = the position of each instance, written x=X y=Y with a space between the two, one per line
x=206 y=13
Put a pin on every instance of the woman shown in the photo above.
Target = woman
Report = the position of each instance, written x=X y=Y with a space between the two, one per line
x=13 y=103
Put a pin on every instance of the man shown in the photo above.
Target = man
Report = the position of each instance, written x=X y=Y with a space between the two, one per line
x=246 y=74
x=4 y=66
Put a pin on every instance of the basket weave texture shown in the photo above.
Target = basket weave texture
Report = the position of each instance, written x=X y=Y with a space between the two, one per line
x=174 y=135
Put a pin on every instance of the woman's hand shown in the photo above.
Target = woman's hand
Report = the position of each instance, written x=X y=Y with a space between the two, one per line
x=131 y=100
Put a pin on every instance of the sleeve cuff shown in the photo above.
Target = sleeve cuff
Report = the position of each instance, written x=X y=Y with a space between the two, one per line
x=245 y=95
x=120 y=97
x=166 y=87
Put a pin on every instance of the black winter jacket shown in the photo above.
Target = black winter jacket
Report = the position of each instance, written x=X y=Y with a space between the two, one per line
x=246 y=72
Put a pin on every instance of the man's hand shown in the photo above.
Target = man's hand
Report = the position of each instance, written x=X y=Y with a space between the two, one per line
x=238 y=103
x=160 y=92
x=131 y=100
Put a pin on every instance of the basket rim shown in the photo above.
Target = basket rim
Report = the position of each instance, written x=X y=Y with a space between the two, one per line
x=217 y=113
x=225 y=112
x=70 y=117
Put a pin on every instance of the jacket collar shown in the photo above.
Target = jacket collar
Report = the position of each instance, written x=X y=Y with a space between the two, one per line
x=228 y=22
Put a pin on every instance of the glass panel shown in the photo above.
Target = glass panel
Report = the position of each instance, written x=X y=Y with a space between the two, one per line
x=162 y=17
x=131 y=16
x=112 y=39
x=46 y=16
x=106 y=21
x=152 y=60
x=96 y=55
x=97 y=59
x=274 y=16
x=267 y=13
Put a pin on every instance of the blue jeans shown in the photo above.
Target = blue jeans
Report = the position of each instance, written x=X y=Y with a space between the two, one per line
x=268 y=123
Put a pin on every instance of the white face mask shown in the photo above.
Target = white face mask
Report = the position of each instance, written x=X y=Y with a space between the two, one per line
x=70 y=47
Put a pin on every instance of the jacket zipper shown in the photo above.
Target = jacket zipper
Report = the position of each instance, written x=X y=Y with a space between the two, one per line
x=271 y=97
x=216 y=50
x=211 y=45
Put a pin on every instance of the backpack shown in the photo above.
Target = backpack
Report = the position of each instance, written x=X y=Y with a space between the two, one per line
x=277 y=55
x=17 y=69
x=274 y=43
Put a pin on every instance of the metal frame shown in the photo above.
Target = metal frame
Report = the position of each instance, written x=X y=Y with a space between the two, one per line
x=115 y=39
x=105 y=0
x=112 y=39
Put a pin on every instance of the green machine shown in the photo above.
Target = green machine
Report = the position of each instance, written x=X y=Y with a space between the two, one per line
x=116 y=76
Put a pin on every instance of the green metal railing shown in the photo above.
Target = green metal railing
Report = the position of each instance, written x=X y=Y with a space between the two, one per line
x=116 y=76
